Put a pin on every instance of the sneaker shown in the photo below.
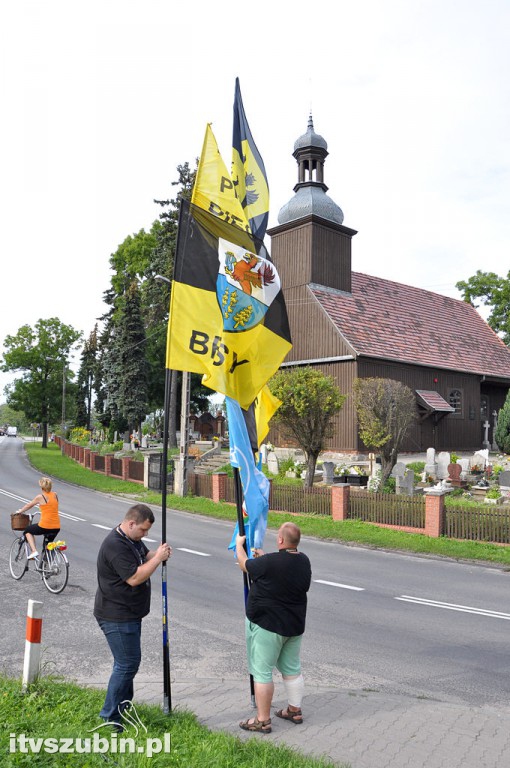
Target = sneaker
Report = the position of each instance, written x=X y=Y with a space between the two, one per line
x=33 y=555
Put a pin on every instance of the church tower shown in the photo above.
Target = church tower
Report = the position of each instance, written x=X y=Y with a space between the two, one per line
x=311 y=245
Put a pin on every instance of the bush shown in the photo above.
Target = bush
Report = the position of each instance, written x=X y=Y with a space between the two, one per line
x=285 y=465
x=417 y=467
x=80 y=436
x=109 y=447
x=503 y=429
x=390 y=485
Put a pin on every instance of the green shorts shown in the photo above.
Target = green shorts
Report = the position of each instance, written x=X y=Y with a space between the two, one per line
x=267 y=650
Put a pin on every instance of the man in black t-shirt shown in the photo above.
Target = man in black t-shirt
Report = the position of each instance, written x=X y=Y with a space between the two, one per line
x=123 y=597
x=275 y=623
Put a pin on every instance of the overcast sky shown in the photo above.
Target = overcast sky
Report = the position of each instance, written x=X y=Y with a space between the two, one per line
x=102 y=100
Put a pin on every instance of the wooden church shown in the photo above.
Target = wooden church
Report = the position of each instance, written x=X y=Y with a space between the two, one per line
x=351 y=325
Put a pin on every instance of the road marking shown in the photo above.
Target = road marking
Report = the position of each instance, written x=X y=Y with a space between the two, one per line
x=152 y=541
x=454 y=607
x=104 y=527
x=192 y=551
x=71 y=517
x=341 y=586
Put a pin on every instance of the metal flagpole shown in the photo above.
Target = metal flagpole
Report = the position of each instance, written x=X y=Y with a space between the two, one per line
x=167 y=694
x=240 y=524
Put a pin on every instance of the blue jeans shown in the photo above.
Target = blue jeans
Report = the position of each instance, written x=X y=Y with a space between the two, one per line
x=124 y=639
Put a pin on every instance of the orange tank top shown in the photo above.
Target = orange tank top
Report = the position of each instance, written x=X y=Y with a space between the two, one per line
x=49 y=511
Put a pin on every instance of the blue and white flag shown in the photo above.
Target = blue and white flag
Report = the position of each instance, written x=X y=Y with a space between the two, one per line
x=255 y=483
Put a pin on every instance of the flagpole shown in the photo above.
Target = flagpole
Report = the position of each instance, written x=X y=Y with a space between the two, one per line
x=167 y=692
x=240 y=524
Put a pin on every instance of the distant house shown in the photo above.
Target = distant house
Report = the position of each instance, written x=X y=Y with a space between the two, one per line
x=351 y=325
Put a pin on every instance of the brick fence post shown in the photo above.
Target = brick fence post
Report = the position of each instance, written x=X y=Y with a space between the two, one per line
x=86 y=457
x=219 y=486
x=340 y=501
x=108 y=464
x=434 y=514
x=92 y=460
x=125 y=467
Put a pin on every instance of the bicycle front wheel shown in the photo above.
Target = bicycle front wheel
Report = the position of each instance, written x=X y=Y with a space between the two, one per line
x=55 y=570
x=18 y=563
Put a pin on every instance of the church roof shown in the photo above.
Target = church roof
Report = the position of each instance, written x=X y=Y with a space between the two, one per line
x=393 y=321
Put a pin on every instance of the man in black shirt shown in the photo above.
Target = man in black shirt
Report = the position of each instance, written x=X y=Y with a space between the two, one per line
x=123 y=597
x=275 y=623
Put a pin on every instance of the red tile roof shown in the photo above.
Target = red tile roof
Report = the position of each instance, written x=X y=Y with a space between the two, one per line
x=434 y=401
x=393 y=321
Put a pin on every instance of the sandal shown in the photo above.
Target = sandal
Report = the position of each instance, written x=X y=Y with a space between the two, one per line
x=258 y=726
x=292 y=715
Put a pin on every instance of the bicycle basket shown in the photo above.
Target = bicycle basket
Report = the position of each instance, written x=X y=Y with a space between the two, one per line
x=19 y=521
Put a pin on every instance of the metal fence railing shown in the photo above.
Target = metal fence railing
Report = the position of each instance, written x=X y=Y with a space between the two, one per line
x=384 y=508
x=135 y=471
x=200 y=485
x=307 y=501
x=488 y=523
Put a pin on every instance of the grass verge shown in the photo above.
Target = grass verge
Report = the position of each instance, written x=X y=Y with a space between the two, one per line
x=53 y=709
x=50 y=461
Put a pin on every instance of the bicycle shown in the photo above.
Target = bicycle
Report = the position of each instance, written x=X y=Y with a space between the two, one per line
x=52 y=563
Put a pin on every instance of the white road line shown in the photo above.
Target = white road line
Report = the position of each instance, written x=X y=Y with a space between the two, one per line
x=104 y=527
x=454 y=607
x=341 y=586
x=192 y=551
x=152 y=541
x=71 y=517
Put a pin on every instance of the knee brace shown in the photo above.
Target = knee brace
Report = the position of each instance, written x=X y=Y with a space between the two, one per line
x=295 y=689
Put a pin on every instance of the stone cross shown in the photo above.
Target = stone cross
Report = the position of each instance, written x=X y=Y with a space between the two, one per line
x=486 y=443
x=495 y=425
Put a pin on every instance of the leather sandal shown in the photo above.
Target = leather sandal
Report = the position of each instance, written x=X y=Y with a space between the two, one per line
x=256 y=726
x=292 y=715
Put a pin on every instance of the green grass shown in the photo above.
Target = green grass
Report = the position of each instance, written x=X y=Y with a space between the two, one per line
x=50 y=461
x=55 y=709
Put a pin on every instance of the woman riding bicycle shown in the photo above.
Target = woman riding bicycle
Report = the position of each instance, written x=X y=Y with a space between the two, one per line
x=49 y=523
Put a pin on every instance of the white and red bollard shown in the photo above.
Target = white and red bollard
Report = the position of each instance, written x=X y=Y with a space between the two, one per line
x=33 y=634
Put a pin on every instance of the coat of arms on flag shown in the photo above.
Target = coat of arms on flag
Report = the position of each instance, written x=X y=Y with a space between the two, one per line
x=246 y=286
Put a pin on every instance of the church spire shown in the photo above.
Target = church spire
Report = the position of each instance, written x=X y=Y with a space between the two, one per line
x=310 y=151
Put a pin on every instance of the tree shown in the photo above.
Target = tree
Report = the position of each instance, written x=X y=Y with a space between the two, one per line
x=125 y=363
x=386 y=409
x=309 y=401
x=87 y=377
x=503 y=428
x=494 y=292
x=41 y=353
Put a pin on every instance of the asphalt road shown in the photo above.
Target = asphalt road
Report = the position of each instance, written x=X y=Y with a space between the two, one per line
x=380 y=620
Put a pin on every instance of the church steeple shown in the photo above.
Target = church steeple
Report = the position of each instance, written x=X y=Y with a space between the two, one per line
x=310 y=151
x=311 y=245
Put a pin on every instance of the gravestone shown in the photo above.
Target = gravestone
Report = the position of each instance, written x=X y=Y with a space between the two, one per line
x=263 y=453
x=405 y=483
x=329 y=472
x=442 y=465
x=430 y=463
x=144 y=441
x=494 y=428
x=464 y=463
x=486 y=443
x=504 y=479
x=399 y=469
x=272 y=463
x=481 y=458
x=454 y=473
